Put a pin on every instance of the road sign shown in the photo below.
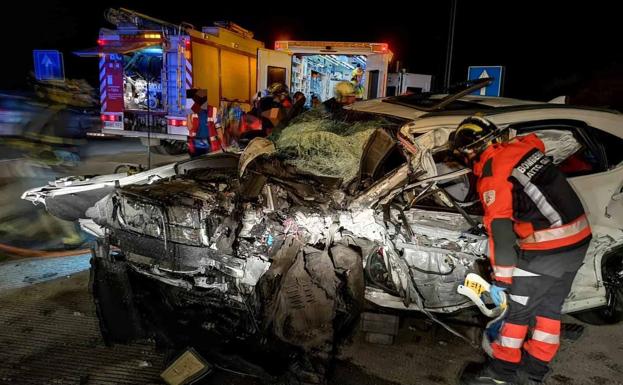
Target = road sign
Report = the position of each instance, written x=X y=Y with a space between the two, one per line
x=48 y=65
x=480 y=72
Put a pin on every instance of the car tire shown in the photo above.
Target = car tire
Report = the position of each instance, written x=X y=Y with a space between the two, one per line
x=612 y=273
x=171 y=147
x=110 y=287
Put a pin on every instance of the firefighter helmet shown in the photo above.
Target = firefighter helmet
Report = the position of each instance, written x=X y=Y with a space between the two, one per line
x=473 y=134
x=277 y=89
x=343 y=90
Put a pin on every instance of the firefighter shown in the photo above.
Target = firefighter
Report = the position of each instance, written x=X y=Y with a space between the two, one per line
x=357 y=74
x=281 y=95
x=203 y=136
x=538 y=237
x=358 y=89
x=274 y=107
x=344 y=95
x=297 y=108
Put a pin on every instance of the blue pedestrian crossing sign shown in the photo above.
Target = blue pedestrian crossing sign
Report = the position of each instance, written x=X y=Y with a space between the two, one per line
x=48 y=65
x=481 y=72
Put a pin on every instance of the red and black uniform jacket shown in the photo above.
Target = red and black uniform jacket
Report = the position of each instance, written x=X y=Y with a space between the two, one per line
x=531 y=212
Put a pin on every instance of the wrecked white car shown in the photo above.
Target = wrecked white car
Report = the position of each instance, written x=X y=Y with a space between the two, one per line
x=283 y=244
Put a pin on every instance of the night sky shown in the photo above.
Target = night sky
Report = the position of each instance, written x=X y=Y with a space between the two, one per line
x=548 y=48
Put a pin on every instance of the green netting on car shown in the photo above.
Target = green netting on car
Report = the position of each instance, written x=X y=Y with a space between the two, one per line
x=317 y=144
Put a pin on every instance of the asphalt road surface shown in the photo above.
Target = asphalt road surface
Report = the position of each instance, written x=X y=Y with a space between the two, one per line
x=49 y=335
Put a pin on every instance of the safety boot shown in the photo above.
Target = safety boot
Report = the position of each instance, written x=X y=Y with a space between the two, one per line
x=482 y=374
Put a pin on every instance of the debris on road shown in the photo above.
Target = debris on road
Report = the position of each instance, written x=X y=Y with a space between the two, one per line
x=187 y=368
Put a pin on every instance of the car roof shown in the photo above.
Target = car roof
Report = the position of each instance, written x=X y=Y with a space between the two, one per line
x=499 y=110
x=472 y=103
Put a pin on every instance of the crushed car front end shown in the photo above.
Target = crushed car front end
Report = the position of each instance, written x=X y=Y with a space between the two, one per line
x=280 y=247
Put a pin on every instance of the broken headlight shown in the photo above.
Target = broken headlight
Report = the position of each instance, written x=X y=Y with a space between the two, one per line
x=141 y=217
x=185 y=225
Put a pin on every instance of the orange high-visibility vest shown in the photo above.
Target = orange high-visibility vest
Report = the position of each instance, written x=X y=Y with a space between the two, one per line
x=215 y=142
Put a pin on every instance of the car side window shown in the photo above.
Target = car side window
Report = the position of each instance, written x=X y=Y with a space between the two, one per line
x=611 y=145
x=576 y=148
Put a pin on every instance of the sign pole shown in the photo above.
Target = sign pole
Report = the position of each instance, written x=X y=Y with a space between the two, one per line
x=449 y=51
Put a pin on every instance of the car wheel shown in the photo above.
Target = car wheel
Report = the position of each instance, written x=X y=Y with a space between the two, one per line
x=612 y=272
x=118 y=317
x=171 y=147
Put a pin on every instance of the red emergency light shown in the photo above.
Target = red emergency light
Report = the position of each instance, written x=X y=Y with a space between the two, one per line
x=101 y=41
x=176 y=122
x=187 y=49
x=110 y=118
x=380 y=47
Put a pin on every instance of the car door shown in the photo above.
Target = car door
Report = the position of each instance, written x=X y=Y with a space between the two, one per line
x=599 y=190
x=599 y=184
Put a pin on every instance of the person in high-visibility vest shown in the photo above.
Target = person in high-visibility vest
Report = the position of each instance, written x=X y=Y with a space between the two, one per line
x=344 y=95
x=203 y=136
x=538 y=238
x=357 y=74
x=358 y=88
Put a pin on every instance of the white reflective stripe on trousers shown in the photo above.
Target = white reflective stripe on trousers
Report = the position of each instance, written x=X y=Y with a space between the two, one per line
x=539 y=335
x=517 y=272
x=520 y=299
x=509 y=342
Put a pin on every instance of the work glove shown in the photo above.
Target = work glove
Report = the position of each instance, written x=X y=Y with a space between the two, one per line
x=496 y=294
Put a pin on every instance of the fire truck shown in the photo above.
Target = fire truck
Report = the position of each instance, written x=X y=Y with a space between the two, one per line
x=147 y=65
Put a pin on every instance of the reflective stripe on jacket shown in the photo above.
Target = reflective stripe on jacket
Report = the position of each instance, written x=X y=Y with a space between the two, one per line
x=528 y=203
